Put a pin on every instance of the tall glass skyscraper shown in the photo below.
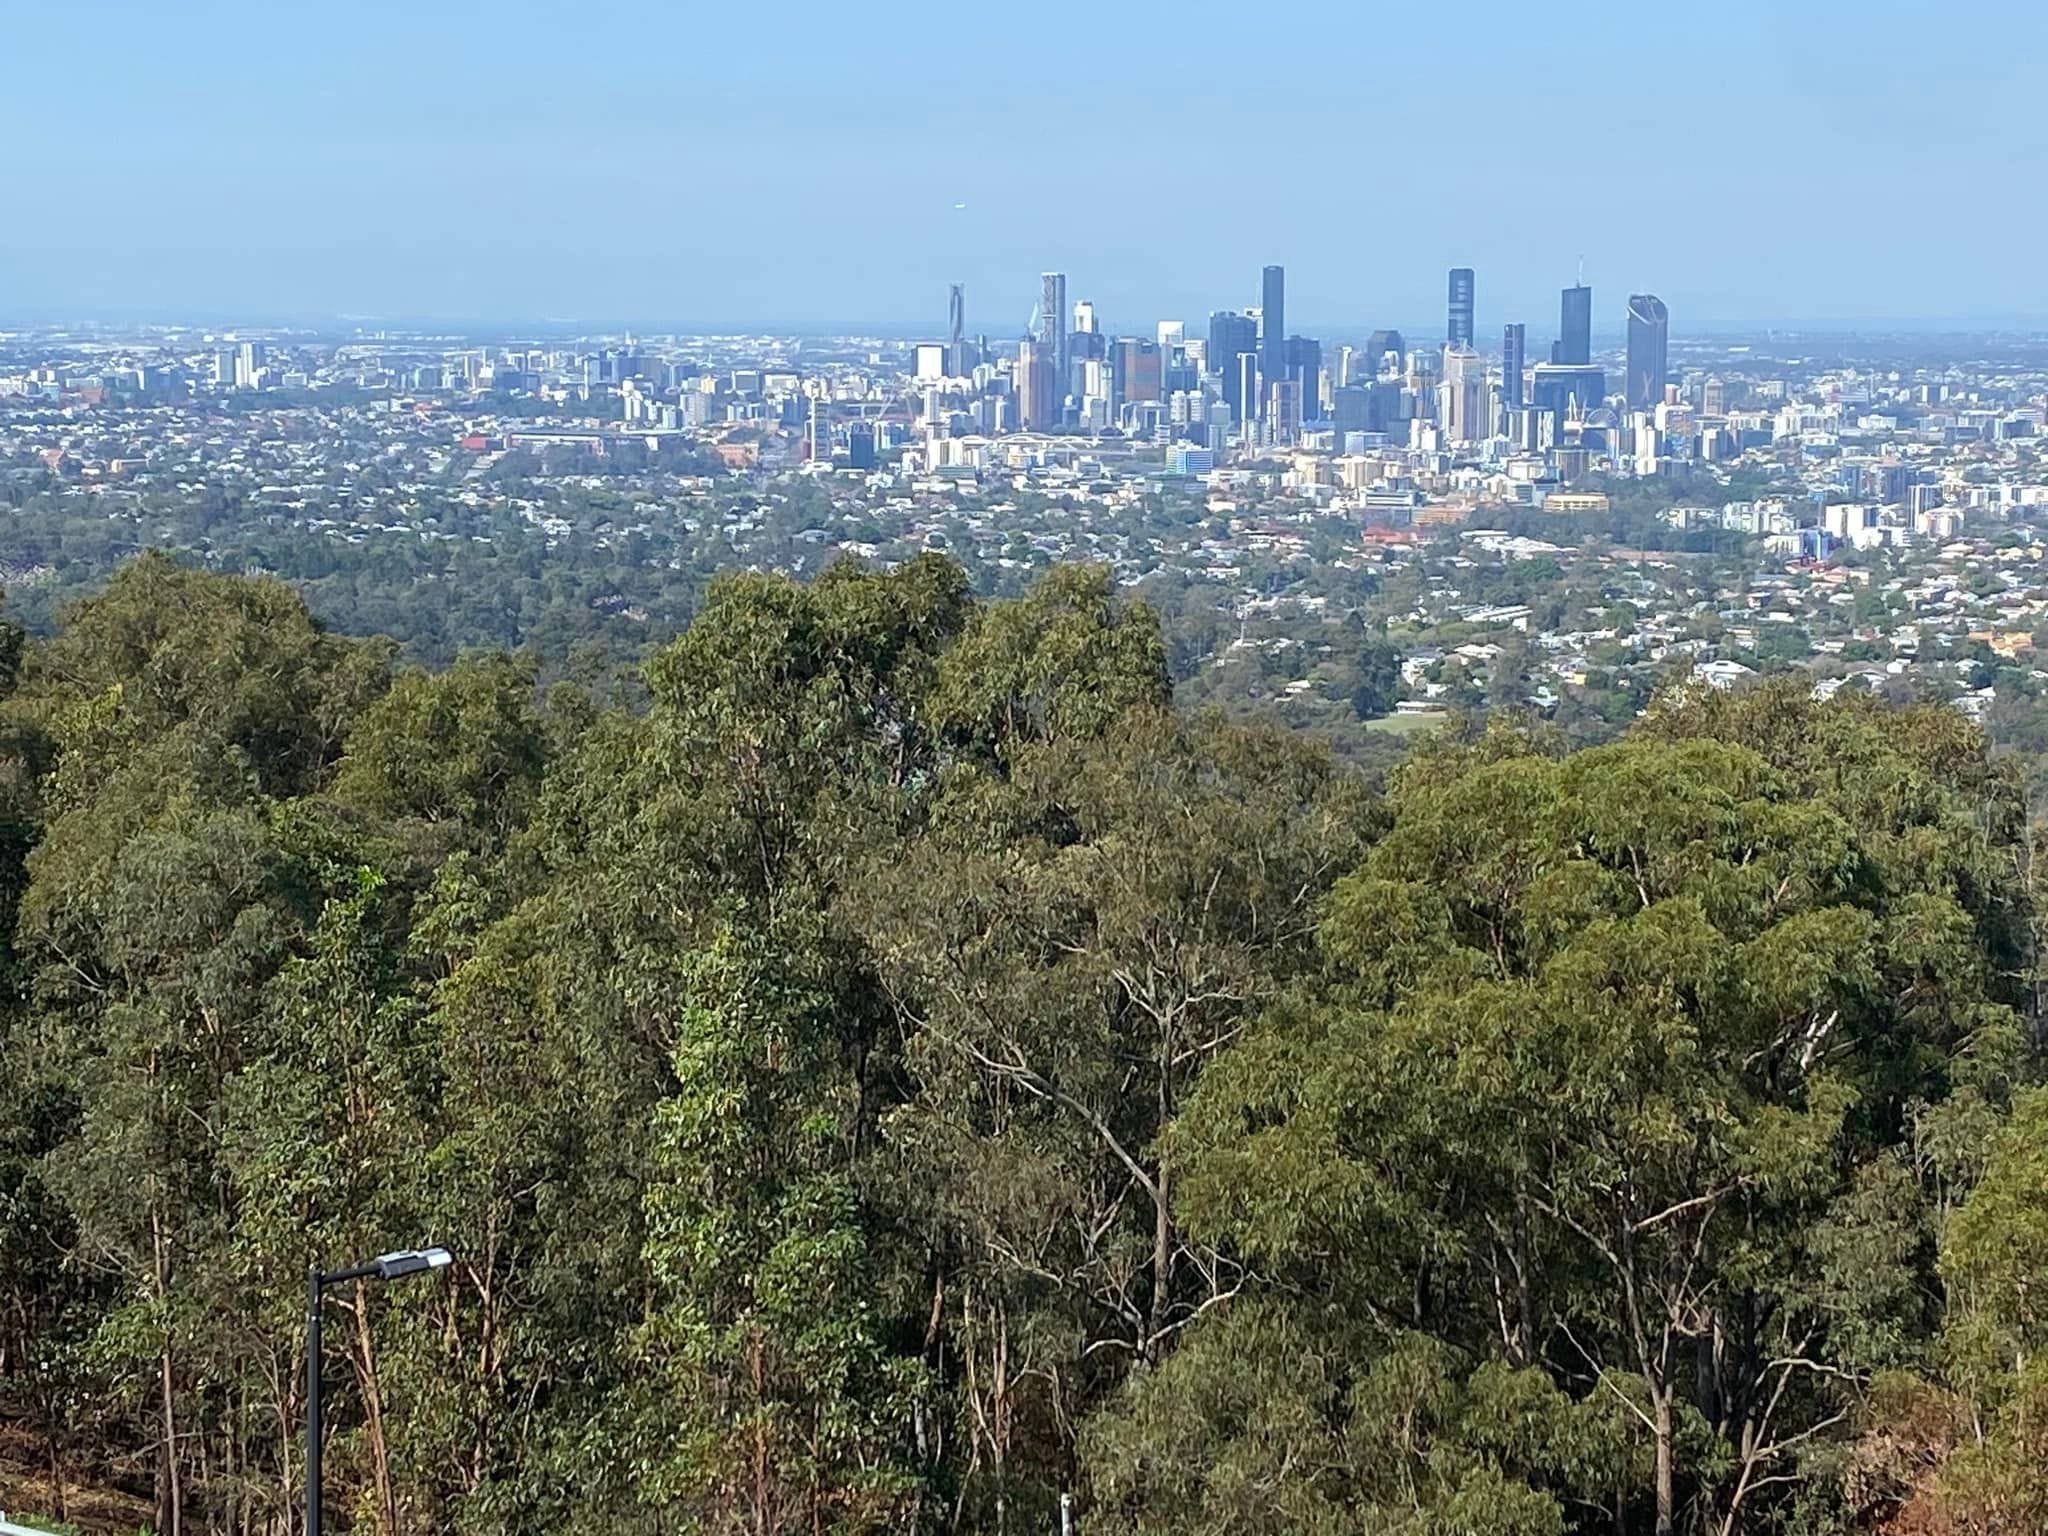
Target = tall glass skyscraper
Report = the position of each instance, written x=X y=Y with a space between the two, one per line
x=1052 y=323
x=1305 y=367
x=1459 y=333
x=1231 y=335
x=1273 y=317
x=1649 y=340
x=1575 y=328
x=1514 y=350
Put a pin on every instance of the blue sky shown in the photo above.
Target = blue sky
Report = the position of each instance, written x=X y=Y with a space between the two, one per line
x=1793 y=162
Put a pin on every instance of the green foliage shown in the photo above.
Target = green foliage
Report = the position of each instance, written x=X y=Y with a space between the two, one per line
x=1608 y=1064
x=1262 y=1424
x=888 y=1069
x=777 y=1401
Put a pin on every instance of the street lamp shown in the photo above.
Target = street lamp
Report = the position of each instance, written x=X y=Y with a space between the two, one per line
x=389 y=1266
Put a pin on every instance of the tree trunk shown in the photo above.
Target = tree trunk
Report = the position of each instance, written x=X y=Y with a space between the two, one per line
x=170 y=1496
x=55 y=1449
x=1162 y=1212
x=1162 y=1264
x=1525 y=1328
x=373 y=1413
x=760 y=1437
x=1666 y=1498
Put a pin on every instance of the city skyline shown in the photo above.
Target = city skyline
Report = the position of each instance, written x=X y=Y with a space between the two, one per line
x=468 y=163
x=1143 y=770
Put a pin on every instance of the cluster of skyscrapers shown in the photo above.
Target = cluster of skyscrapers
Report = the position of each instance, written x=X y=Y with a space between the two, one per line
x=1248 y=382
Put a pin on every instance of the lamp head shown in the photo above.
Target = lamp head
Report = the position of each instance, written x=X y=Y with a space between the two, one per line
x=412 y=1261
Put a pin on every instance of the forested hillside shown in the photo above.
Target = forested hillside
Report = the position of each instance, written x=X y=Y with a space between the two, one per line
x=907 y=1072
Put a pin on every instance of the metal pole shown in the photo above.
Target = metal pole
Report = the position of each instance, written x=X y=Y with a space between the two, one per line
x=312 y=1402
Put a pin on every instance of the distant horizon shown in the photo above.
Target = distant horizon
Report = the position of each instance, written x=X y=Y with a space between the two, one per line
x=1773 y=169
x=1424 y=332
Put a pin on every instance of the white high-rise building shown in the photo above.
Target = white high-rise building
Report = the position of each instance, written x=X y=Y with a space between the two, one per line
x=1461 y=399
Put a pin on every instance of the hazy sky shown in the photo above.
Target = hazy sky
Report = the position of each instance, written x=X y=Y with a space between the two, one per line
x=1753 y=161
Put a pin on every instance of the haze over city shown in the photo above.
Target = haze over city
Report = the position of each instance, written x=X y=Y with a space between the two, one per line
x=1757 y=164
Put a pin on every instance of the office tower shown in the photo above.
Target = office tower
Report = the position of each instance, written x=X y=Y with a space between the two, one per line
x=1649 y=335
x=1231 y=335
x=1386 y=410
x=818 y=430
x=1139 y=375
x=959 y=357
x=1283 y=411
x=860 y=446
x=1378 y=347
x=1036 y=406
x=1514 y=346
x=1352 y=408
x=1097 y=388
x=1084 y=318
x=1248 y=388
x=1305 y=367
x=1273 y=325
x=1052 y=321
x=1574 y=328
x=1173 y=358
x=1561 y=388
x=1425 y=368
x=1462 y=404
x=1460 y=332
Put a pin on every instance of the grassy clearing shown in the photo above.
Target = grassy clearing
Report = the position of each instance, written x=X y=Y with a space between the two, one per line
x=1407 y=725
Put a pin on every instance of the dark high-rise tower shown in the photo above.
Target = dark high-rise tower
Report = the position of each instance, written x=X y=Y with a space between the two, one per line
x=1231 y=335
x=1575 y=328
x=1305 y=367
x=1460 y=332
x=1649 y=339
x=1273 y=317
x=1052 y=324
x=958 y=360
x=1514 y=347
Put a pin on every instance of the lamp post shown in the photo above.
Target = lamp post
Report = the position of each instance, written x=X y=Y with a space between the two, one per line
x=390 y=1266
